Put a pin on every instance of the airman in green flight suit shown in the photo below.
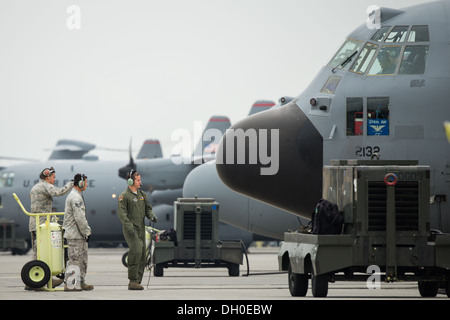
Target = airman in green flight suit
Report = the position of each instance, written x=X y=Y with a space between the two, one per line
x=133 y=208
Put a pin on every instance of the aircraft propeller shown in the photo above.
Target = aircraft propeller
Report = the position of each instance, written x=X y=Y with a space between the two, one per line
x=130 y=166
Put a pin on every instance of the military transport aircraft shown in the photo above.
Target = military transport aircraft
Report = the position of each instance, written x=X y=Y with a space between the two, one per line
x=383 y=95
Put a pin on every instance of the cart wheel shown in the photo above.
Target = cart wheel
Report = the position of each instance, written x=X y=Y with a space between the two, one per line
x=298 y=283
x=158 y=270
x=233 y=270
x=125 y=259
x=428 y=289
x=319 y=285
x=35 y=274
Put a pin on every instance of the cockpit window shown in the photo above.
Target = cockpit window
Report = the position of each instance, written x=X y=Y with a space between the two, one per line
x=7 y=179
x=413 y=61
x=419 y=34
x=364 y=59
x=380 y=34
x=331 y=84
x=386 y=61
x=405 y=51
x=398 y=34
x=345 y=54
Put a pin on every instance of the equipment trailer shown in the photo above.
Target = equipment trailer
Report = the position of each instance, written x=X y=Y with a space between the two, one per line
x=386 y=228
x=197 y=241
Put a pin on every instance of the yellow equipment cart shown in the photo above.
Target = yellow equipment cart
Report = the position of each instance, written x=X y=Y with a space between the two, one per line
x=50 y=252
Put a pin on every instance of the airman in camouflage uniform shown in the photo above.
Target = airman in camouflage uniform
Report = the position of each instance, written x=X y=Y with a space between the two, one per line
x=42 y=200
x=133 y=208
x=41 y=196
x=77 y=232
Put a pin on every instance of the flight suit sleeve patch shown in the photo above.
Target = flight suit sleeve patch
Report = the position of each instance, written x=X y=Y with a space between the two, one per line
x=120 y=198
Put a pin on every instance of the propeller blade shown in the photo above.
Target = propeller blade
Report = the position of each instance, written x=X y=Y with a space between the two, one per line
x=130 y=166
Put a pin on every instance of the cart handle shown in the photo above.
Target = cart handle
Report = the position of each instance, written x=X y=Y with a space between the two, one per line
x=153 y=229
x=35 y=214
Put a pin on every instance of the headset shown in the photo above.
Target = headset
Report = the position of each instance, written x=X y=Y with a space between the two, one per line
x=47 y=172
x=130 y=180
x=82 y=180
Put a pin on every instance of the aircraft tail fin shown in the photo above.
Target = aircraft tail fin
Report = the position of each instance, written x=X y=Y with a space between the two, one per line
x=261 y=105
x=151 y=149
x=208 y=142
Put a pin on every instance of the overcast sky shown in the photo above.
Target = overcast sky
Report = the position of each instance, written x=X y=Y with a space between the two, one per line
x=143 y=68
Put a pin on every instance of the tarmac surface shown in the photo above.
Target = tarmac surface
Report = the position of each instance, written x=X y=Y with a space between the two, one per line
x=264 y=282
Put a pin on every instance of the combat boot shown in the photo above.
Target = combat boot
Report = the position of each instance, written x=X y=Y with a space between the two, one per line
x=34 y=289
x=66 y=288
x=135 y=286
x=56 y=282
x=86 y=287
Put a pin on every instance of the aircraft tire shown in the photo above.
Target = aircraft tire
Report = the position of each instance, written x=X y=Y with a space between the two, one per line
x=35 y=274
x=298 y=283
x=22 y=251
x=319 y=285
x=428 y=289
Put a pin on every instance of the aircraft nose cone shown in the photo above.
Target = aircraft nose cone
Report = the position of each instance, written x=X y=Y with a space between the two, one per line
x=276 y=157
